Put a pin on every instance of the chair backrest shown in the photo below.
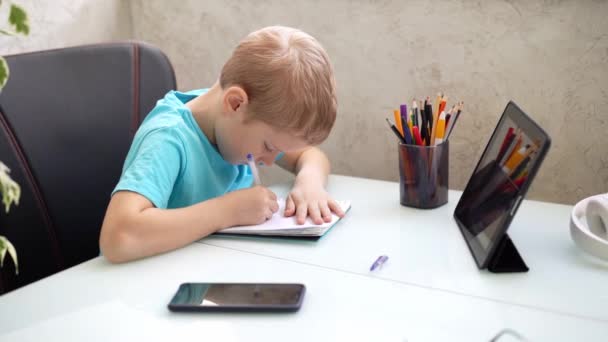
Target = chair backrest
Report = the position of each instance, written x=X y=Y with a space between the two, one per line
x=67 y=119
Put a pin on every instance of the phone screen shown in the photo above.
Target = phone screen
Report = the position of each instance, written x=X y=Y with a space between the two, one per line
x=235 y=296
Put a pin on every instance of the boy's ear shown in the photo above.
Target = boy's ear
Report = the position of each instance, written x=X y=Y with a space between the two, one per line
x=235 y=99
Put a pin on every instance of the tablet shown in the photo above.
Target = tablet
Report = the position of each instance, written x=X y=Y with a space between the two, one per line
x=497 y=186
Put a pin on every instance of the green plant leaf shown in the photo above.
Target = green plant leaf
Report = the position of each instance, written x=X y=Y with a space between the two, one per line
x=18 y=19
x=7 y=246
x=7 y=32
x=10 y=190
x=4 y=72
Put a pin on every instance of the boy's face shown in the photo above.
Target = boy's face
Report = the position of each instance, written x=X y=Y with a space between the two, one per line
x=236 y=138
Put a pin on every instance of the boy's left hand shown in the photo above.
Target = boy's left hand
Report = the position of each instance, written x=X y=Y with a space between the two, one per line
x=311 y=200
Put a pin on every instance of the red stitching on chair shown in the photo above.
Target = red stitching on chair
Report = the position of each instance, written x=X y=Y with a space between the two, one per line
x=37 y=193
x=135 y=117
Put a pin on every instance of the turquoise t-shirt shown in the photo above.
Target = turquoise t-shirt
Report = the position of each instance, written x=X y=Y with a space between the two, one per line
x=172 y=163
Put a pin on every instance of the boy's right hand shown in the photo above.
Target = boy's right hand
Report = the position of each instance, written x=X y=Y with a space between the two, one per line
x=251 y=206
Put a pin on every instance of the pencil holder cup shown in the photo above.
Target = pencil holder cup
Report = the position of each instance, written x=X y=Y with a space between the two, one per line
x=423 y=175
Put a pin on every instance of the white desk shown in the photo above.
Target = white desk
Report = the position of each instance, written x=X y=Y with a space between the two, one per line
x=102 y=302
x=426 y=248
x=405 y=300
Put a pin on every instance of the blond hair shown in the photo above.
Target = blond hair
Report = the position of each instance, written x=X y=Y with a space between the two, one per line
x=289 y=80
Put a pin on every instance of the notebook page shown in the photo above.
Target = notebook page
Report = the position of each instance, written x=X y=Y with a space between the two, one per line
x=279 y=222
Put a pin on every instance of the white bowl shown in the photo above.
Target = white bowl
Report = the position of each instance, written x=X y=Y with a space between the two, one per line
x=593 y=241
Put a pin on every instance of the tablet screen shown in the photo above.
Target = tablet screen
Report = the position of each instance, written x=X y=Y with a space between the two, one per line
x=499 y=181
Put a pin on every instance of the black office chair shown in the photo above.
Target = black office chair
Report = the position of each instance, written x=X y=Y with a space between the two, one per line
x=67 y=118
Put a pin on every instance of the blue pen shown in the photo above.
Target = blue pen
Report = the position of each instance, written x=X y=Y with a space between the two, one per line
x=379 y=262
x=254 y=169
x=407 y=135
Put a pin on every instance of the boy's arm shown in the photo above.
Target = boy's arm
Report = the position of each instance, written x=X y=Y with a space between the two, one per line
x=310 y=162
x=308 y=196
x=134 y=228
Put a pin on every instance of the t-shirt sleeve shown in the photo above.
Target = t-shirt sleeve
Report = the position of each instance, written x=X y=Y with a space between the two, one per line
x=152 y=167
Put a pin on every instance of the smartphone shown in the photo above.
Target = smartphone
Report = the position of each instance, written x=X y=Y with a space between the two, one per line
x=237 y=297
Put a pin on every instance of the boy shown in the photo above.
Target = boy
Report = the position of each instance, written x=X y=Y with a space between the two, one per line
x=186 y=174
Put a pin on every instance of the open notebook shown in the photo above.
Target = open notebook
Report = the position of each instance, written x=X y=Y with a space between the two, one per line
x=280 y=225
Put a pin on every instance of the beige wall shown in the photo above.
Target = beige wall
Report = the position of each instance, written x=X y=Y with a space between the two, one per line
x=550 y=57
x=61 y=23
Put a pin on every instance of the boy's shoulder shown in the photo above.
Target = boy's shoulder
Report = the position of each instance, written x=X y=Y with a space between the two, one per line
x=170 y=112
x=166 y=123
x=172 y=119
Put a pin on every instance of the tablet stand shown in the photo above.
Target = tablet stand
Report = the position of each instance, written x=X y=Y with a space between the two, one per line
x=506 y=258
